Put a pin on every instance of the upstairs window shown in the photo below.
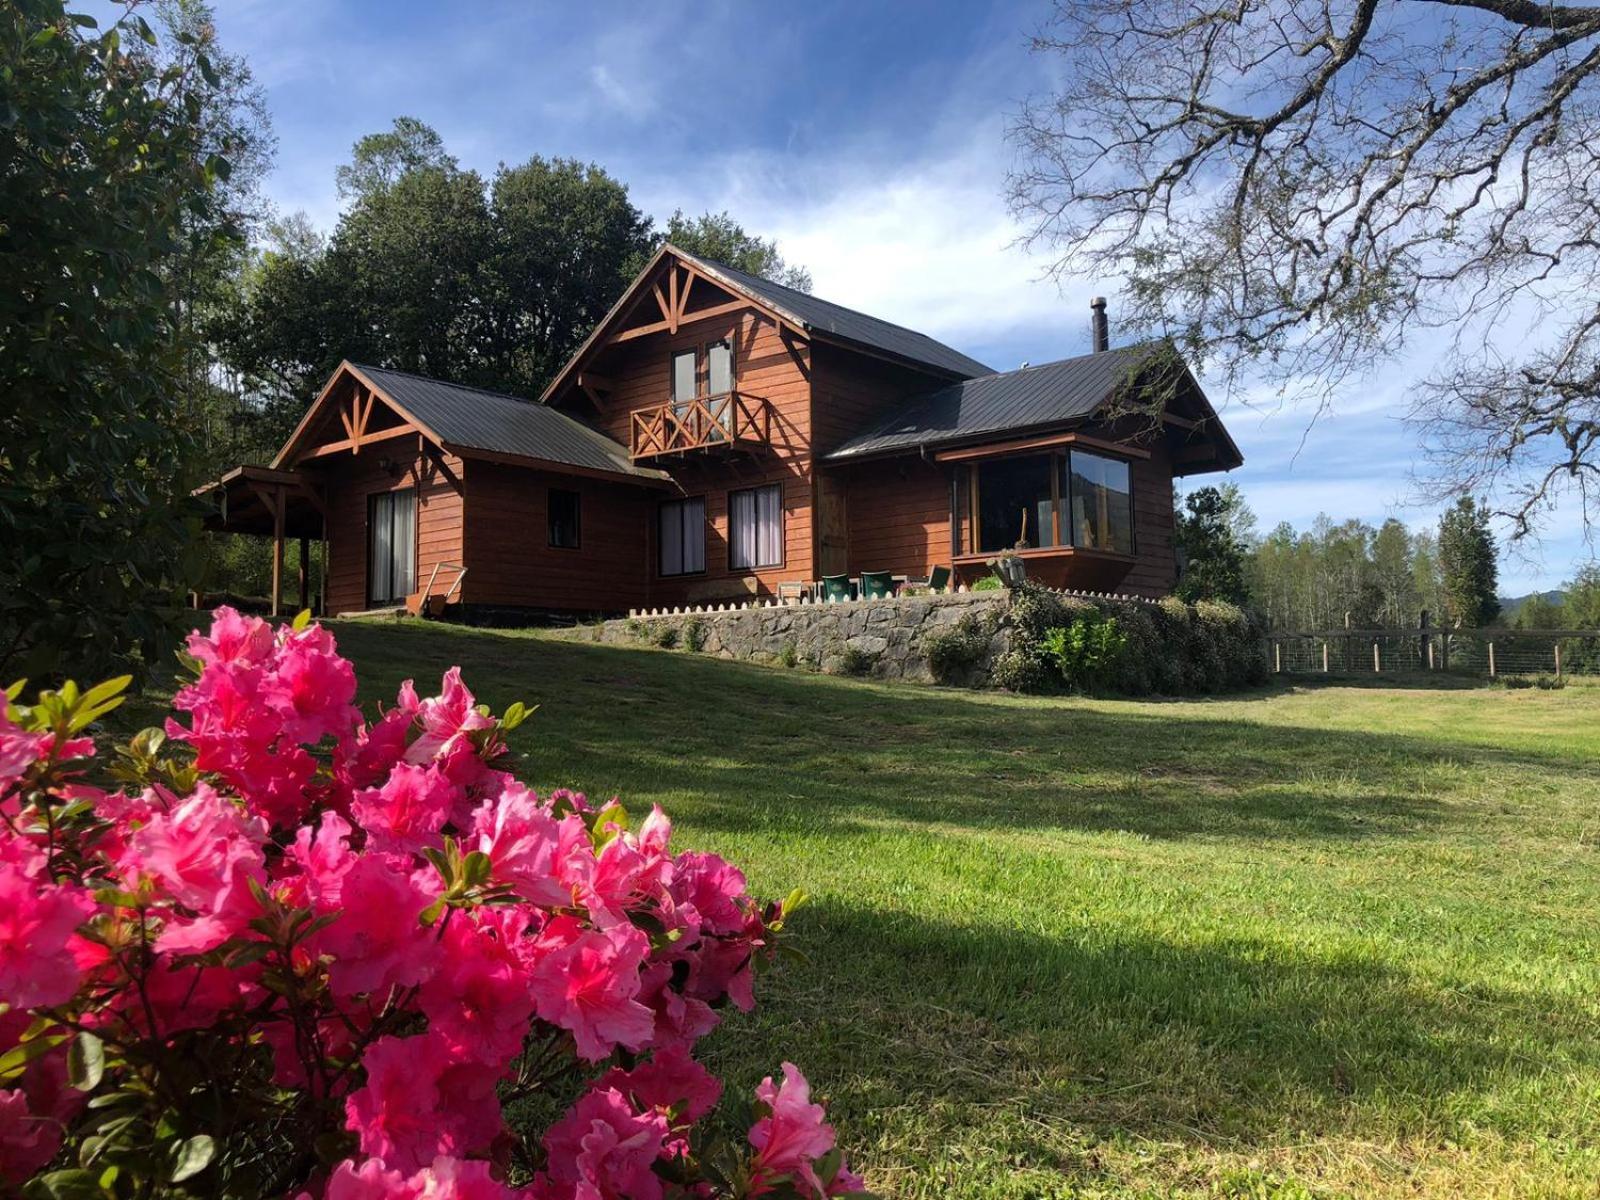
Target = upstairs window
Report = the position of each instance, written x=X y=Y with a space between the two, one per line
x=563 y=519
x=719 y=368
x=683 y=376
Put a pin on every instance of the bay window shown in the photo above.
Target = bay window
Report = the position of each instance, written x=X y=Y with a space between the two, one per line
x=1069 y=498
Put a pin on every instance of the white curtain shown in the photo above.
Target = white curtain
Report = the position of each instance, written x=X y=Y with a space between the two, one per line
x=405 y=543
x=755 y=533
x=394 y=545
x=683 y=537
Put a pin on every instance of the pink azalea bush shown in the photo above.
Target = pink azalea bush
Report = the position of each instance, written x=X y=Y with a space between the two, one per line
x=276 y=950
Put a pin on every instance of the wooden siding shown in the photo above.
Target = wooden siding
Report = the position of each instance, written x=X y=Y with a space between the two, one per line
x=851 y=391
x=510 y=562
x=347 y=482
x=767 y=364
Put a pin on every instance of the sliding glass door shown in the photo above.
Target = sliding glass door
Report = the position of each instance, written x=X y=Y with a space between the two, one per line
x=391 y=547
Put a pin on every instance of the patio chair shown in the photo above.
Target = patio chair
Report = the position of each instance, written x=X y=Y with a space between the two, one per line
x=938 y=581
x=876 y=585
x=837 y=587
x=795 y=590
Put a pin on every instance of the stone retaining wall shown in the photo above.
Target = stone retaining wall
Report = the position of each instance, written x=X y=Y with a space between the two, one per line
x=882 y=638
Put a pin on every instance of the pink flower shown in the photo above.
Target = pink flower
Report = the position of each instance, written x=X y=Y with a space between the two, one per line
x=203 y=853
x=378 y=747
x=378 y=941
x=28 y=1140
x=19 y=750
x=446 y=1179
x=603 y=1150
x=521 y=838
x=791 y=1136
x=233 y=640
x=588 y=982
x=672 y=1084
x=38 y=920
x=322 y=858
x=478 y=1001
x=311 y=687
x=408 y=811
x=680 y=1020
x=417 y=1105
x=713 y=889
x=372 y=1180
x=446 y=720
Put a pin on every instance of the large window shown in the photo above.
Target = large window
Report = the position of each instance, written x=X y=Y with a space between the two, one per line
x=719 y=368
x=682 y=537
x=1065 y=498
x=563 y=519
x=391 y=546
x=755 y=528
x=1101 y=502
x=683 y=376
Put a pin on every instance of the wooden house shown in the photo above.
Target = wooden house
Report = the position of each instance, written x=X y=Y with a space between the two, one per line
x=718 y=436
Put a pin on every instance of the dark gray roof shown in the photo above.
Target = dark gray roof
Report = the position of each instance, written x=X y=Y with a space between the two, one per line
x=848 y=325
x=1055 y=393
x=482 y=420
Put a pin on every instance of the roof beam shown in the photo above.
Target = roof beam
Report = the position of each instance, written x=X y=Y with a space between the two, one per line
x=703 y=314
x=352 y=445
x=1045 y=442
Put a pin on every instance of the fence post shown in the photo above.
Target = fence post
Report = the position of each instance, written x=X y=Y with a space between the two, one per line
x=1376 y=668
x=1324 y=656
x=1430 y=654
x=1558 y=658
x=1491 y=660
x=1277 y=656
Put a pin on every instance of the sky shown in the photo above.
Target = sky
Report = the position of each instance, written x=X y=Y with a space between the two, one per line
x=867 y=138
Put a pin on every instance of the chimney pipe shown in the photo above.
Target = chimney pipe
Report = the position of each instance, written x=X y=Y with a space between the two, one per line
x=1097 y=322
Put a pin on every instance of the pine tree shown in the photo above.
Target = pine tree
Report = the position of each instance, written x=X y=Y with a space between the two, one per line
x=1467 y=565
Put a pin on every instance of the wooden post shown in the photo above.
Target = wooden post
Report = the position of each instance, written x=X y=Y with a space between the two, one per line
x=1376 y=667
x=1324 y=656
x=1491 y=660
x=1277 y=656
x=277 y=551
x=1558 y=658
x=305 y=574
x=1430 y=654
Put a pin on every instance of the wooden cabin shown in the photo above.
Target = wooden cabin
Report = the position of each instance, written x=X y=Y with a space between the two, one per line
x=718 y=436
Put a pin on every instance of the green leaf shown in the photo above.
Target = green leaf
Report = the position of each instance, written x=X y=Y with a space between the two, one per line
x=86 y=1062
x=207 y=71
x=302 y=618
x=67 y=1185
x=191 y=1156
x=15 y=1059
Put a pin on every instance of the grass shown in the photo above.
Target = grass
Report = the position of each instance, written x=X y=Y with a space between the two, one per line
x=1320 y=942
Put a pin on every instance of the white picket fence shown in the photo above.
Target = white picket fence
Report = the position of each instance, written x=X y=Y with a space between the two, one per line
x=806 y=601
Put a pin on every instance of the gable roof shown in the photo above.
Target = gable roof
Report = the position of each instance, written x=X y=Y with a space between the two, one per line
x=1051 y=394
x=839 y=323
x=805 y=313
x=466 y=420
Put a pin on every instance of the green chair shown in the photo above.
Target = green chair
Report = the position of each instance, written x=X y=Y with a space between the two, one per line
x=939 y=580
x=876 y=585
x=836 y=587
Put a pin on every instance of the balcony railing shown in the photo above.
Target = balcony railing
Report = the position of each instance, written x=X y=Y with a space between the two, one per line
x=731 y=421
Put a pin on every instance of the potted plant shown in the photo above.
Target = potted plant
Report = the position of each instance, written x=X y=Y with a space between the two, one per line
x=1009 y=566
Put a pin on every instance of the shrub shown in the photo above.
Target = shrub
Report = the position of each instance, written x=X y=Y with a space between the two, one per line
x=989 y=583
x=1087 y=650
x=665 y=635
x=853 y=660
x=297 y=954
x=956 y=649
x=694 y=634
x=790 y=654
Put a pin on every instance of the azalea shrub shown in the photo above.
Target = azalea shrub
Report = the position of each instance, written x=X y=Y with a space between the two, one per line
x=275 y=949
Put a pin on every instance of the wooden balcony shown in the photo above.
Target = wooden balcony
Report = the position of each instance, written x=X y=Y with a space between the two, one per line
x=732 y=421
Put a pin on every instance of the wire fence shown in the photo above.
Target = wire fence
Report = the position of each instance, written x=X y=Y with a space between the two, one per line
x=1488 y=653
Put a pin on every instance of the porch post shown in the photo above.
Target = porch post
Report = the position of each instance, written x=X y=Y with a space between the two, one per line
x=277 y=550
x=305 y=574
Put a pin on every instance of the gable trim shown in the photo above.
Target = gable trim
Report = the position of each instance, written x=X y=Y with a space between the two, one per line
x=355 y=426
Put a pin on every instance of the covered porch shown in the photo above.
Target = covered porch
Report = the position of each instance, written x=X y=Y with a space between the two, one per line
x=275 y=503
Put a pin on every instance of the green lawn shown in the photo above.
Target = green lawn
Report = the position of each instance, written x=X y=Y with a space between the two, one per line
x=1333 y=941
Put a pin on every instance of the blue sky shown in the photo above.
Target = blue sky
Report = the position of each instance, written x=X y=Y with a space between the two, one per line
x=867 y=138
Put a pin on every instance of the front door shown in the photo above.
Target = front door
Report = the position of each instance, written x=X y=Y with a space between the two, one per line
x=391 y=547
x=833 y=537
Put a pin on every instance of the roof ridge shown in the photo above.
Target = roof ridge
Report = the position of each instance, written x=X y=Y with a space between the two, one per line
x=450 y=383
x=1054 y=362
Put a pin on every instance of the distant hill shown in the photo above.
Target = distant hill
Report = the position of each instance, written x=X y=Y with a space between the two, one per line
x=1510 y=604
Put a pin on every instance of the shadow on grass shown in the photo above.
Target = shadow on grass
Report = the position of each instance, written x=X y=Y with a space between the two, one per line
x=1029 y=1042
x=761 y=748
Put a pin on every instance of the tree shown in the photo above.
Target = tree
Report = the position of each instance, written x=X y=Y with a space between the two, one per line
x=103 y=191
x=1213 y=552
x=1467 y=565
x=1394 y=575
x=380 y=159
x=718 y=237
x=1300 y=188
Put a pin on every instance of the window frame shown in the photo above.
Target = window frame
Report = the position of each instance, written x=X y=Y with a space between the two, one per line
x=374 y=499
x=661 y=510
x=577 y=518
x=783 y=531
x=733 y=374
x=966 y=512
x=672 y=374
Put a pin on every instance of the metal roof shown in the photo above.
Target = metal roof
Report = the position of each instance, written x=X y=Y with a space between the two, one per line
x=845 y=324
x=1050 y=394
x=476 y=419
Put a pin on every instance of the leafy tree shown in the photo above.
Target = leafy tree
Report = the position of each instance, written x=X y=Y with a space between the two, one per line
x=1213 y=552
x=379 y=159
x=1540 y=612
x=1299 y=189
x=102 y=191
x=1582 y=604
x=1467 y=565
x=1394 y=575
x=566 y=242
x=720 y=238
